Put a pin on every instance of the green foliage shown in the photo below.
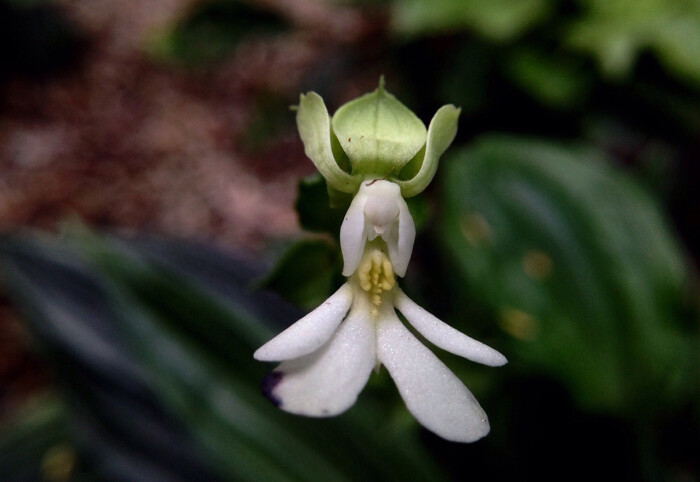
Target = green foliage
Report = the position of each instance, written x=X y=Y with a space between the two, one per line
x=212 y=30
x=306 y=273
x=494 y=19
x=556 y=81
x=125 y=321
x=615 y=32
x=35 y=443
x=321 y=208
x=579 y=267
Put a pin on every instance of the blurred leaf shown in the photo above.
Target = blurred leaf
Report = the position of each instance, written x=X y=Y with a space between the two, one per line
x=210 y=378
x=120 y=429
x=305 y=273
x=35 y=444
x=314 y=206
x=494 y=19
x=212 y=30
x=139 y=325
x=467 y=73
x=579 y=267
x=616 y=31
x=555 y=81
x=420 y=211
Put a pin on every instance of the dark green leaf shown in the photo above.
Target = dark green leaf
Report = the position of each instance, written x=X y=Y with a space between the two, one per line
x=314 y=206
x=201 y=357
x=35 y=442
x=579 y=266
x=126 y=323
x=117 y=424
x=306 y=273
x=556 y=81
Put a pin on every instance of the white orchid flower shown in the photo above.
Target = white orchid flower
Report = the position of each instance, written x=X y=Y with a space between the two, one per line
x=328 y=355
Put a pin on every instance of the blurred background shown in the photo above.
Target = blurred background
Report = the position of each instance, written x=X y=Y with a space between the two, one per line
x=159 y=221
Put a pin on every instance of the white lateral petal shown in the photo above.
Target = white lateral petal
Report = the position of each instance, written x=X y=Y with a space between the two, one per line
x=443 y=335
x=432 y=393
x=353 y=234
x=401 y=238
x=310 y=332
x=328 y=381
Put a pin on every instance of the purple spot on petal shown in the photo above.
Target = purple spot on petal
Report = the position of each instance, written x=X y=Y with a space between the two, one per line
x=268 y=386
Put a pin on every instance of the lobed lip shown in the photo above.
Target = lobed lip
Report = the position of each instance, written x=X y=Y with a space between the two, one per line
x=327 y=381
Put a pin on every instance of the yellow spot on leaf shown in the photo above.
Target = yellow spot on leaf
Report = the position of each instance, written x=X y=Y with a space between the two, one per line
x=518 y=324
x=476 y=229
x=537 y=265
x=58 y=463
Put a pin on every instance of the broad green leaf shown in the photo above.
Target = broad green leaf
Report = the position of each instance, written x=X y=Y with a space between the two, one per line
x=116 y=422
x=139 y=332
x=578 y=265
x=201 y=359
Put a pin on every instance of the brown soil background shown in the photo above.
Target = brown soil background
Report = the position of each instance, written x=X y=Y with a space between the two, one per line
x=127 y=144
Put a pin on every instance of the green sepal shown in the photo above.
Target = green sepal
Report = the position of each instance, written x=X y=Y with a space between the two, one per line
x=378 y=133
x=314 y=127
x=441 y=133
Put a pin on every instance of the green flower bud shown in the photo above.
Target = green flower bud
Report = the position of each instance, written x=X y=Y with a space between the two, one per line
x=374 y=136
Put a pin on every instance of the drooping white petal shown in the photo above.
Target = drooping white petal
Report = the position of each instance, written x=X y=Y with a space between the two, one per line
x=443 y=335
x=400 y=239
x=432 y=393
x=310 y=332
x=327 y=382
x=353 y=234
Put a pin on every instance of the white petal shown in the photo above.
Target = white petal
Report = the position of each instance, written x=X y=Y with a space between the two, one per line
x=327 y=382
x=433 y=394
x=443 y=335
x=352 y=234
x=400 y=239
x=310 y=332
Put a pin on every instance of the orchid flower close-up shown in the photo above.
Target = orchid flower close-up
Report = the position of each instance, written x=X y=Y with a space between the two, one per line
x=328 y=355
